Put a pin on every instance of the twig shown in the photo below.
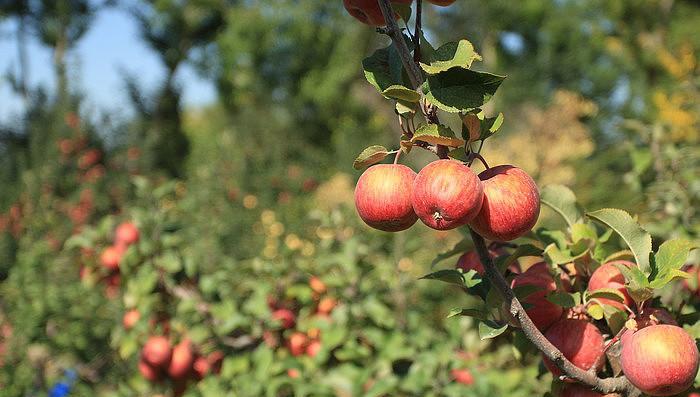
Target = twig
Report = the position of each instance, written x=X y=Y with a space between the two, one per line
x=588 y=378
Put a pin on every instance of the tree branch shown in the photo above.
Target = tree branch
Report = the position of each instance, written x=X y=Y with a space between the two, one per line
x=588 y=378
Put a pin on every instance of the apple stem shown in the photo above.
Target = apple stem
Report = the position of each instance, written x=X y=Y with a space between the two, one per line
x=396 y=158
x=476 y=155
x=589 y=378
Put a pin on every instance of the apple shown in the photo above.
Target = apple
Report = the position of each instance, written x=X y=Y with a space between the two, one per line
x=648 y=317
x=293 y=373
x=660 y=360
x=383 y=197
x=156 y=351
x=470 y=261
x=541 y=311
x=216 y=360
x=201 y=367
x=149 y=372
x=446 y=194
x=130 y=318
x=286 y=318
x=127 y=233
x=442 y=3
x=326 y=305
x=511 y=204
x=462 y=376
x=111 y=257
x=609 y=276
x=580 y=342
x=317 y=285
x=313 y=348
x=368 y=11
x=297 y=343
x=181 y=360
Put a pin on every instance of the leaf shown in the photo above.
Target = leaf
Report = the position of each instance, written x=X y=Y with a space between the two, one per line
x=670 y=256
x=461 y=247
x=453 y=54
x=606 y=293
x=522 y=250
x=637 y=284
x=475 y=126
x=583 y=231
x=674 y=274
x=563 y=299
x=490 y=125
x=471 y=127
x=406 y=109
x=370 y=156
x=470 y=280
x=618 y=255
x=563 y=201
x=478 y=314
x=490 y=329
x=383 y=68
x=438 y=135
x=461 y=90
x=451 y=276
x=458 y=154
x=555 y=256
x=403 y=9
x=636 y=238
x=595 y=311
x=615 y=318
x=402 y=93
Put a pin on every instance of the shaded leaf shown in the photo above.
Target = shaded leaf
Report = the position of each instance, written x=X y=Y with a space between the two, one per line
x=564 y=299
x=606 y=293
x=563 y=201
x=490 y=329
x=438 y=135
x=478 y=314
x=451 y=276
x=402 y=93
x=370 y=156
x=461 y=90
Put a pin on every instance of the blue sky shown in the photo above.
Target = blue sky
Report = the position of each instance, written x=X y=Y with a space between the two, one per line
x=112 y=44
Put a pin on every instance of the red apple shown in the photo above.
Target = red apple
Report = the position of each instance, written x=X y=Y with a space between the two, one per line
x=149 y=372
x=660 y=360
x=216 y=360
x=577 y=390
x=181 y=360
x=317 y=285
x=648 y=317
x=326 y=305
x=201 y=367
x=285 y=316
x=131 y=318
x=111 y=257
x=293 y=373
x=368 y=11
x=297 y=343
x=462 y=376
x=442 y=3
x=541 y=311
x=511 y=204
x=383 y=197
x=609 y=276
x=313 y=348
x=156 y=351
x=127 y=233
x=446 y=194
x=580 y=342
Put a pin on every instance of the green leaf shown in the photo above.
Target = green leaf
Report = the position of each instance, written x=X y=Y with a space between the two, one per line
x=451 y=276
x=406 y=109
x=461 y=247
x=437 y=134
x=490 y=329
x=670 y=256
x=625 y=254
x=555 y=256
x=606 y=293
x=641 y=159
x=564 y=299
x=583 y=231
x=403 y=9
x=674 y=274
x=637 y=284
x=478 y=314
x=458 y=154
x=461 y=90
x=636 y=238
x=521 y=251
x=383 y=69
x=615 y=318
x=370 y=156
x=470 y=279
x=490 y=125
x=563 y=201
x=401 y=93
x=453 y=54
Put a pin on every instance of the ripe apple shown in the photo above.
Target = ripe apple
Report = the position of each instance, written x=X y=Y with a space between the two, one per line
x=541 y=311
x=313 y=348
x=216 y=360
x=293 y=373
x=660 y=360
x=297 y=343
x=130 y=318
x=368 y=11
x=648 y=317
x=580 y=342
x=462 y=376
x=285 y=316
x=383 y=197
x=446 y=194
x=609 y=276
x=326 y=305
x=201 y=367
x=156 y=351
x=127 y=233
x=181 y=360
x=149 y=372
x=442 y=3
x=511 y=204
x=111 y=257
x=317 y=285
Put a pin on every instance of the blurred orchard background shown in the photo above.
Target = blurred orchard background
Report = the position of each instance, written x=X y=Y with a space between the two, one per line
x=225 y=132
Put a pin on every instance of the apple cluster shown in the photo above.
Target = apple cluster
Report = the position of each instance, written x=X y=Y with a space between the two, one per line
x=181 y=362
x=656 y=355
x=501 y=203
x=284 y=332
